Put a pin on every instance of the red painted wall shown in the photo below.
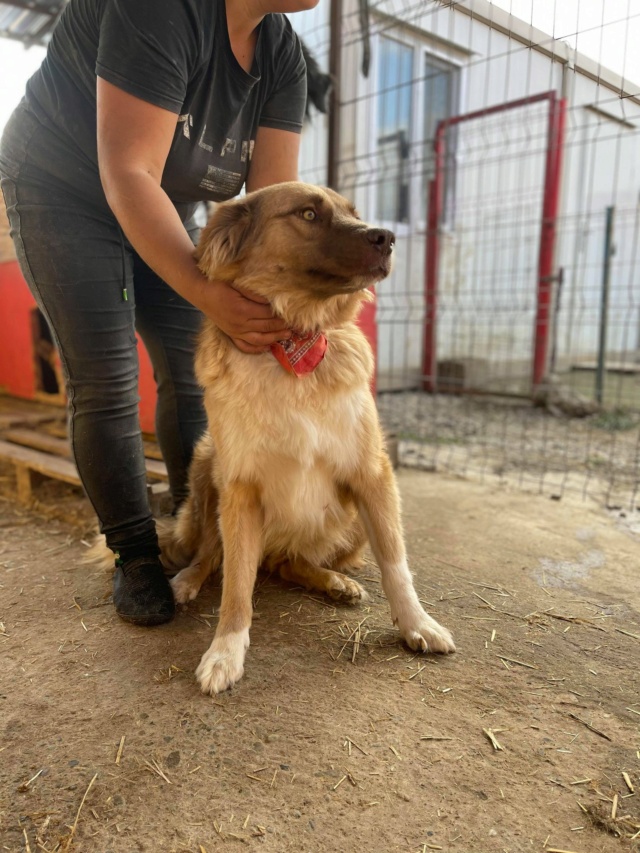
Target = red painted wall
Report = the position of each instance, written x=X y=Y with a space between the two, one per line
x=17 y=374
x=17 y=364
x=368 y=323
x=17 y=368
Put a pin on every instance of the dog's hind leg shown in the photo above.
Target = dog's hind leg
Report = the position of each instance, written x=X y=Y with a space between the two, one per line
x=173 y=553
x=351 y=557
x=198 y=545
x=187 y=584
x=241 y=522
x=334 y=584
x=195 y=533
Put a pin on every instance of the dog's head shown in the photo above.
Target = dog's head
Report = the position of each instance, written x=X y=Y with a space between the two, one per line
x=302 y=247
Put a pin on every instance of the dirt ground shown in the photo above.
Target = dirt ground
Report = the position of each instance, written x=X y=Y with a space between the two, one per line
x=338 y=738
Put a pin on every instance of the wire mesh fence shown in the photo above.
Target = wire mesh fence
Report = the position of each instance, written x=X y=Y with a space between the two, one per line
x=501 y=142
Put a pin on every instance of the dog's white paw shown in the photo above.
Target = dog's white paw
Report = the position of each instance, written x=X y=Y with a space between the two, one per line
x=423 y=634
x=186 y=584
x=223 y=662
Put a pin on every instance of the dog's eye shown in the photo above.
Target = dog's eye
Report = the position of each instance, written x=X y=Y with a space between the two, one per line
x=309 y=215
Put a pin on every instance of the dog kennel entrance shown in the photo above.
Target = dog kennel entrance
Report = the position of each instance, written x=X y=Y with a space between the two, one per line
x=49 y=385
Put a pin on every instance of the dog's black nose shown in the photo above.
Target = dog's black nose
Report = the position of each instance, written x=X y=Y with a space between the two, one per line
x=383 y=239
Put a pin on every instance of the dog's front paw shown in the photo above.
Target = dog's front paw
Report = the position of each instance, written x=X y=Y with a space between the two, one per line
x=186 y=584
x=423 y=634
x=223 y=662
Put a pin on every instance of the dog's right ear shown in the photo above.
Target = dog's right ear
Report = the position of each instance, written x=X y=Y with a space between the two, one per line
x=224 y=237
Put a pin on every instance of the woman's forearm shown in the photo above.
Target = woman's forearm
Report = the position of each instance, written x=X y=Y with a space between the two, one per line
x=134 y=140
x=153 y=226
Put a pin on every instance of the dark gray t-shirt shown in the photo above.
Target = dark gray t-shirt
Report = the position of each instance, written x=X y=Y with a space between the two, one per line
x=175 y=54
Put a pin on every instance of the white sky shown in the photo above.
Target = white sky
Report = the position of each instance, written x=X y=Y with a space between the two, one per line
x=606 y=30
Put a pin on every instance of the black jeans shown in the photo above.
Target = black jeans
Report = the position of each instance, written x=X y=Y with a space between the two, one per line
x=78 y=264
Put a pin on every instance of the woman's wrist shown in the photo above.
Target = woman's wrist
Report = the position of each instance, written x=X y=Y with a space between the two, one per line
x=195 y=288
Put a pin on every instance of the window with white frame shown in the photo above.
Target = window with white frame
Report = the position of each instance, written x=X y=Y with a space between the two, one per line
x=415 y=92
x=393 y=132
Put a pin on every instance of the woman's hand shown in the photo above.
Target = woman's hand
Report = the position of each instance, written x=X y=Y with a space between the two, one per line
x=245 y=317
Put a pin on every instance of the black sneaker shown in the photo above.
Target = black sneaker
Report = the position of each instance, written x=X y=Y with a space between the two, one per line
x=141 y=592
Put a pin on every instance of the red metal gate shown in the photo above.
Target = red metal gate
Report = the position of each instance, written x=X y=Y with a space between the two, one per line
x=550 y=203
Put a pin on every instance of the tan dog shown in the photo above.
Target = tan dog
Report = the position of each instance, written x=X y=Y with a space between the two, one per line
x=294 y=469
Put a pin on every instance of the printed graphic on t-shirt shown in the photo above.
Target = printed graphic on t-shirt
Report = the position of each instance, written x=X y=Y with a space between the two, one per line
x=187 y=124
x=229 y=147
x=247 y=150
x=237 y=151
x=221 y=181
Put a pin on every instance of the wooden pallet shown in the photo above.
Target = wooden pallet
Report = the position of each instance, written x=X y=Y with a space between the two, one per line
x=28 y=462
x=18 y=418
x=156 y=469
x=35 y=454
x=151 y=449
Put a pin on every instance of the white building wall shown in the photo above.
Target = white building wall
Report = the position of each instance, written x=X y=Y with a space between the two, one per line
x=313 y=27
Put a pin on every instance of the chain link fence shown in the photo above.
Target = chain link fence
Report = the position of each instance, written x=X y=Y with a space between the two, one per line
x=501 y=143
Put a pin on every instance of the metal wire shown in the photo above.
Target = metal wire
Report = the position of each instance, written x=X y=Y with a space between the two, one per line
x=487 y=417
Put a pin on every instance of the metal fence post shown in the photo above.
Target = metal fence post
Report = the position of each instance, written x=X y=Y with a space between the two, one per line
x=335 y=71
x=604 y=304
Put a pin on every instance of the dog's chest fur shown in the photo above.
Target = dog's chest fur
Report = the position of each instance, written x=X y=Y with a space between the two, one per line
x=297 y=439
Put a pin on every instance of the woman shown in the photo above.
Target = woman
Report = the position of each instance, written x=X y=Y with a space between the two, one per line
x=141 y=109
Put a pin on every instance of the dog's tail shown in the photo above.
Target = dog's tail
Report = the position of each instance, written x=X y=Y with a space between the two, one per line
x=175 y=552
x=99 y=554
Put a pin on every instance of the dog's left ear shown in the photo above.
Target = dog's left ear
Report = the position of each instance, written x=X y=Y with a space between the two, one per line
x=223 y=239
